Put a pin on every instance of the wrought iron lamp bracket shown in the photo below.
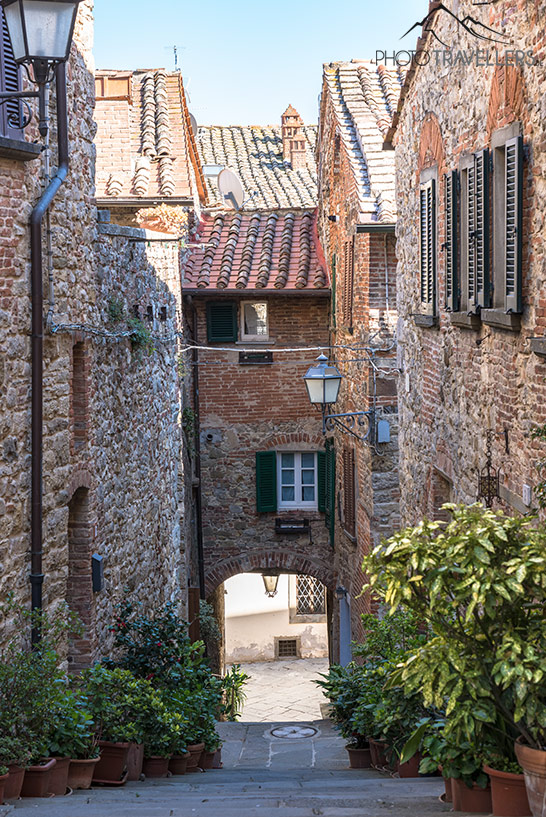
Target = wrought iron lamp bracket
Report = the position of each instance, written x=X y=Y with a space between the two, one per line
x=348 y=421
x=43 y=75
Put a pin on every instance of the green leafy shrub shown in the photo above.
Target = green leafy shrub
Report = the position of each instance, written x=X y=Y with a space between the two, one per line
x=73 y=733
x=233 y=684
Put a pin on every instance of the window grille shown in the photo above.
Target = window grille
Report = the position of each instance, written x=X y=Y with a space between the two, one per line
x=310 y=597
x=287 y=648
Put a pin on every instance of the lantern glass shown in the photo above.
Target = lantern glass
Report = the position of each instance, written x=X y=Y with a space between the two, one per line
x=41 y=29
x=323 y=382
x=270 y=584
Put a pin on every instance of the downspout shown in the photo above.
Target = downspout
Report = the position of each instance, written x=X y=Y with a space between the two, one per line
x=37 y=298
x=198 y=495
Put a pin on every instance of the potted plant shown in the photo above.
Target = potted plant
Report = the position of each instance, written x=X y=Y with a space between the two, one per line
x=480 y=584
x=82 y=747
x=508 y=792
x=4 y=774
x=14 y=756
x=163 y=726
x=234 y=695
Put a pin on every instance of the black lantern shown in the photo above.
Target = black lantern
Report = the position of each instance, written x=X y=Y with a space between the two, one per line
x=41 y=30
x=323 y=382
x=270 y=583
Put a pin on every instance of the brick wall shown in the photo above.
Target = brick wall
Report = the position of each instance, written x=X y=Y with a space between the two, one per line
x=373 y=322
x=458 y=382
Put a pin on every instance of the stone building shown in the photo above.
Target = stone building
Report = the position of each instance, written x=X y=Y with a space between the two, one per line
x=259 y=294
x=112 y=392
x=471 y=193
x=357 y=217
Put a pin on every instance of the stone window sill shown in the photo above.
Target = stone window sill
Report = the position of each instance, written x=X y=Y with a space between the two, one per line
x=425 y=320
x=501 y=320
x=538 y=346
x=466 y=320
x=15 y=149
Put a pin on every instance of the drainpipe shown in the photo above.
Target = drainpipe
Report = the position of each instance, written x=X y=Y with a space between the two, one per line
x=37 y=297
x=198 y=495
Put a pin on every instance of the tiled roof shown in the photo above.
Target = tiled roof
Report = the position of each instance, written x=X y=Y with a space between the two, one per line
x=145 y=148
x=268 y=250
x=256 y=155
x=364 y=97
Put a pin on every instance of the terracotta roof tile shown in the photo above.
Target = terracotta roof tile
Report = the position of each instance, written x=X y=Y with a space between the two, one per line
x=144 y=148
x=256 y=155
x=253 y=251
x=364 y=97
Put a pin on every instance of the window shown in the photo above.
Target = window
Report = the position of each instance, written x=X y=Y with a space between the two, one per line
x=290 y=479
x=427 y=246
x=349 y=510
x=330 y=490
x=348 y=283
x=297 y=475
x=508 y=216
x=221 y=321
x=450 y=248
x=310 y=597
x=9 y=82
x=475 y=279
x=254 y=324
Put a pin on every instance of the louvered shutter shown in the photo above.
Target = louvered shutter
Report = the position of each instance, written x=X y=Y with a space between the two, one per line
x=479 y=237
x=349 y=491
x=450 y=246
x=348 y=283
x=333 y=303
x=427 y=246
x=513 y=182
x=222 y=321
x=266 y=481
x=10 y=82
x=330 y=503
x=321 y=480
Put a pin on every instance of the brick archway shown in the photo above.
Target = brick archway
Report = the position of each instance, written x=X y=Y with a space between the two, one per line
x=283 y=560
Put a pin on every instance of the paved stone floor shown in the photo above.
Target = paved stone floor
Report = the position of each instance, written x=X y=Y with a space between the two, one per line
x=263 y=776
x=284 y=690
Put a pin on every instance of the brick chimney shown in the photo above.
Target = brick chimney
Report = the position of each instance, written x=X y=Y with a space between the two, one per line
x=293 y=138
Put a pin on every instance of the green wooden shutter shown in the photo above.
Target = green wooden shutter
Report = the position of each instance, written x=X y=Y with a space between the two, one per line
x=427 y=246
x=513 y=165
x=221 y=321
x=330 y=490
x=450 y=245
x=333 y=307
x=321 y=480
x=480 y=237
x=266 y=481
x=10 y=82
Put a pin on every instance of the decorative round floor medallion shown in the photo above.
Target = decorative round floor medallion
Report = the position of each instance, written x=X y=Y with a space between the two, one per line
x=293 y=732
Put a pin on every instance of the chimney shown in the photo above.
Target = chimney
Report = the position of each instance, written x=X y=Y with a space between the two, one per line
x=293 y=139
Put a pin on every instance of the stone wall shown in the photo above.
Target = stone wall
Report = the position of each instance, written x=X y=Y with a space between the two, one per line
x=458 y=382
x=370 y=376
x=112 y=466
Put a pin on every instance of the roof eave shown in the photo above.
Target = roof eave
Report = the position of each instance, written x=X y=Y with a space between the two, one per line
x=321 y=293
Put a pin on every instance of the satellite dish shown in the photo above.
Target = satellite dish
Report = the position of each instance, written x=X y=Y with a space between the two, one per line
x=229 y=185
x=193 y=123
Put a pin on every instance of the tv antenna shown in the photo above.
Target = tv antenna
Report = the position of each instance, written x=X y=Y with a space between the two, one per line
x=175 y=52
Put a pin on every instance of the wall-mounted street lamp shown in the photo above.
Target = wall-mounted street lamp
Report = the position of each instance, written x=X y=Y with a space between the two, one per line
x=270 y=583
x=41 y=36
x=323 y=383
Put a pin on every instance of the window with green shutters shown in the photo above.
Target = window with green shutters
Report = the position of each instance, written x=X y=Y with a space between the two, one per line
x=475 y=199
x=290 y=480
x=221 y=321
x=427 y=246
x=450 y=249
x=507 y=223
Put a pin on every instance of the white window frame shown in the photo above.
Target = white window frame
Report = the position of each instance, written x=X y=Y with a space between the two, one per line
x=254 y=338
x=298 y=502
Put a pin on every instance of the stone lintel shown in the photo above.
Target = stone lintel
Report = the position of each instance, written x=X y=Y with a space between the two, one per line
x=501 y=320
x=425 y=320
x=15 y=149
x=538 y=346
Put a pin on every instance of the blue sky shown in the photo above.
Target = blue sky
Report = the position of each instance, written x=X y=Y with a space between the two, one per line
x=244 y=61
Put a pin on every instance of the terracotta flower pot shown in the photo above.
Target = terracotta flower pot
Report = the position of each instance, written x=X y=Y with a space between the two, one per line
x=410 y=768
x=359 y=758
x=3 y=781
x=112 y=762
x=178 y=763
x=448 y=789
x=58 y=777
x=379 y=753
x=135 y=759
x=217 y=762
x=80 y=773
x=533 y=763
x=474 y=800
x=12 y=786
x=207 y=759
x=508 y=793
x=36 y=779
x=194 y=750
x=155 y=766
